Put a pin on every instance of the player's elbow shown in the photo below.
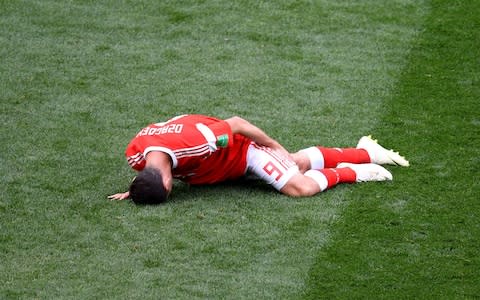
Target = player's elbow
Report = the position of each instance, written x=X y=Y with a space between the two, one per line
x=237 y=124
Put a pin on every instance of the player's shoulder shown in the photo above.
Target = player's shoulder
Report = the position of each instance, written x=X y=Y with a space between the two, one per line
x=196 y=118
x=188 y=120
x=176 y=118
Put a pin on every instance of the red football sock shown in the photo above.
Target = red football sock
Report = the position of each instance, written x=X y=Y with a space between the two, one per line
x=340 y=175
x=333 y=156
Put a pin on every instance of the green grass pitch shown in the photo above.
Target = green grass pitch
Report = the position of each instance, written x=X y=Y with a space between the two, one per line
x=79 y=78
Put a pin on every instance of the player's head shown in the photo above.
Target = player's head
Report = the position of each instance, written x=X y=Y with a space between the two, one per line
x=148 y=188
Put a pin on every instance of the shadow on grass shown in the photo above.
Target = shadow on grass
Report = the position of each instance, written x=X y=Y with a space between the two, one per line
x=244 y=188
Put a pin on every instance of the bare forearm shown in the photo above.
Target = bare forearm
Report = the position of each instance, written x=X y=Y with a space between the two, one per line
x=245 y=128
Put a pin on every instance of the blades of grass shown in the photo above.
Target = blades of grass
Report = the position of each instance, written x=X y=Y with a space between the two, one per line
x=419 y=237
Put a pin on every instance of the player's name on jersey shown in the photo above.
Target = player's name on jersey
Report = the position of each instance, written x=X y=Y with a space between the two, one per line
x=170 y=128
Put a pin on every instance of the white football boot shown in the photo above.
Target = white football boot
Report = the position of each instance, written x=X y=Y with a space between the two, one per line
x=368 y=172
x=380 y=155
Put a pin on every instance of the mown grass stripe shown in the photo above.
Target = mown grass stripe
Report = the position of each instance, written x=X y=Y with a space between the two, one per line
x=419 y=237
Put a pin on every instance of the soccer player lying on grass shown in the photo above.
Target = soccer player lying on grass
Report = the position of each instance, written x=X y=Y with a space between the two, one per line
x=203 y=150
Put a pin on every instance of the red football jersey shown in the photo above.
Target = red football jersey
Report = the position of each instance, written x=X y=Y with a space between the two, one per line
x=202 y=149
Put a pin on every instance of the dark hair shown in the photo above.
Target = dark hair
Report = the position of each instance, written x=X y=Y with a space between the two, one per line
x=148 y=188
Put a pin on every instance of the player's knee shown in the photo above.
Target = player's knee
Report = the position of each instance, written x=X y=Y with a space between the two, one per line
x=302 y=161
x=300 y=187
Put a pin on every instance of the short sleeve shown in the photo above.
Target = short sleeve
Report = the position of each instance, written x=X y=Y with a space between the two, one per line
x=223 y=133
x=217 y=134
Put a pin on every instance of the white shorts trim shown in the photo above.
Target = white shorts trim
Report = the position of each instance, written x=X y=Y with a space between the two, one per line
x=270 y=166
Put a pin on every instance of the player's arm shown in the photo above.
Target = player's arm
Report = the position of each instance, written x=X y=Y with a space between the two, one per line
x=245 y=128
x=160 y=161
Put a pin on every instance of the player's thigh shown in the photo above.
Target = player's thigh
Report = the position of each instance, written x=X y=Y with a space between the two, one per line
x=270 y=166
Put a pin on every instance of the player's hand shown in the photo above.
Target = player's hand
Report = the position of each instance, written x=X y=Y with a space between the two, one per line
x=119 y=196
x=282 y=151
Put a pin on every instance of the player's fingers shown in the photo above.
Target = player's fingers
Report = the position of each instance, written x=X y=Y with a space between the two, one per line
x=116 y=197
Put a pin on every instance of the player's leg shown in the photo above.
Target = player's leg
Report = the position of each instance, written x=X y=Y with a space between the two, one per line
x=315 y=181
x=269 y=166
x=317 y=158
x=367 y=151
x=285 y=176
